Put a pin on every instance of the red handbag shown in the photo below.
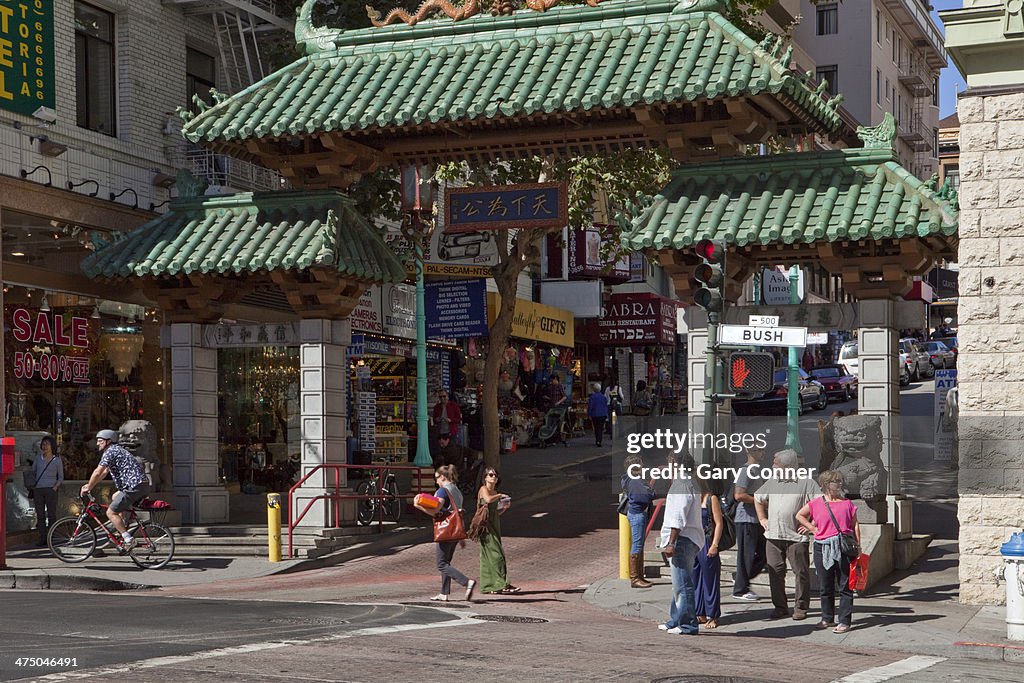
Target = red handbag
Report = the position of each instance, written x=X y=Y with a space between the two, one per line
x=859 y=573
x=450 y=528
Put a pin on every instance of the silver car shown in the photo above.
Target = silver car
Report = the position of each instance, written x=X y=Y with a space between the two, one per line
x=917 y=361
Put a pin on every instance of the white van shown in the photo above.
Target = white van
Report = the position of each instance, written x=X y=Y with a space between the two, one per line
x=848 y=357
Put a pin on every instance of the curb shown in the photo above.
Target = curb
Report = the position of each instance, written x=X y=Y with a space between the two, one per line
x=40 y=579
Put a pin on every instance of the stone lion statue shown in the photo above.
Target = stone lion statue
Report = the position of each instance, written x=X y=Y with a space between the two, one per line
x=858 y=443
x=139 y=437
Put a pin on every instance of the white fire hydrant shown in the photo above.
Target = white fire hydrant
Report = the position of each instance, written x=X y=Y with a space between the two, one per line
x=1013 y=573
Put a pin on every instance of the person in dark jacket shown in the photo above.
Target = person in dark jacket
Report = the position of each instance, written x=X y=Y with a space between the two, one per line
x=639 y=495
x=597 y=411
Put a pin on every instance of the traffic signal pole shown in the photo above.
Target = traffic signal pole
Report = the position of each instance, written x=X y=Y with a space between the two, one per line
x=711 y=390
x=710 y=275
x=793 y=379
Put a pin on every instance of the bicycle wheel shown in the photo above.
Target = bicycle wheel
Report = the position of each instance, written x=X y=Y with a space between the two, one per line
x=392 y=503
x=71 y=540
x=366 y=508
x=154 y=546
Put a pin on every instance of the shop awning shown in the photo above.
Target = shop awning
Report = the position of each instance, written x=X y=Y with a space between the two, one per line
x=252 y=233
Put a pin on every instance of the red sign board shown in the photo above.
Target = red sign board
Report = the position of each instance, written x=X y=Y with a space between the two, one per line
x=51 y=347
x=631 y=319
x=7 y=458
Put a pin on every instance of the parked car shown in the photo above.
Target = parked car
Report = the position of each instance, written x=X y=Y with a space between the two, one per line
x=917 y=360
x=812 y=395
x=953 y=345
x=848 y=357
x=839 y=383
x=939 y=355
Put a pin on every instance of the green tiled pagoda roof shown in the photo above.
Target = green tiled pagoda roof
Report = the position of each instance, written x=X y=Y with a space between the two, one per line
x=621 y=54
x=793 y=198
x=250 y=233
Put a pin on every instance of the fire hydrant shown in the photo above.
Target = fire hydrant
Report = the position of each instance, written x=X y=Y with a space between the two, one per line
x=1013 y=573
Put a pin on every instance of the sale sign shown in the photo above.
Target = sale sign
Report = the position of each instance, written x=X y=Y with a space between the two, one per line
x=44 y=335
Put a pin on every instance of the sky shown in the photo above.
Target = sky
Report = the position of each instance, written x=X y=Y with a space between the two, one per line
x=950 y=80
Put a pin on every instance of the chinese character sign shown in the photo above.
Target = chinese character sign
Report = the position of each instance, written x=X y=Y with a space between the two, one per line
x=543 y=205
x=26 y=55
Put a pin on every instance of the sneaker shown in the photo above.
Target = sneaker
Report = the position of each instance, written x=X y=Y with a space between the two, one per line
x=749 y=596
x=440 y=597
x=675 y=630
x=469 y=589
x=128 y=544
x=662 y=627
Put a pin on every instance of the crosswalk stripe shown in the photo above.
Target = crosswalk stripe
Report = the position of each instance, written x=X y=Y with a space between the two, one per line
x=890 y=671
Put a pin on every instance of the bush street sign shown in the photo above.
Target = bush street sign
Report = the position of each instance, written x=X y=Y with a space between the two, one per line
x=762 y=336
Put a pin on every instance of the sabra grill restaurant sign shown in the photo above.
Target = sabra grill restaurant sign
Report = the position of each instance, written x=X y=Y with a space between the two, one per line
x=632 y=319
x=50 y=347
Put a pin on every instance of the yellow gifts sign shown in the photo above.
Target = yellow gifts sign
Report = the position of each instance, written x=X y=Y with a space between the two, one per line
x=536 y=322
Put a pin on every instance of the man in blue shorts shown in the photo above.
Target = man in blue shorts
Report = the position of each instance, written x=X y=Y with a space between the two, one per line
x=129 y=478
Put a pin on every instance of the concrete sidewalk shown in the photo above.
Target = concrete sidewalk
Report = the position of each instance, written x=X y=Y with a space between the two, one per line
x=910 y=611
x=527 y=475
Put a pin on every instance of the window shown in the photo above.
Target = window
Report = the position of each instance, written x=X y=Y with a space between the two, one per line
x=200 y=75
x=878 y=27
x=94 y=68
x=935 y=142
x=828 y=19
x=878 y=86
x=888 y=90
x=829 y=73
x=895 y=48
x=935 y=92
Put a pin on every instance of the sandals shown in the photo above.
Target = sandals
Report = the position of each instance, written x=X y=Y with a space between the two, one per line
x=824 y=625
x=842 y=628
x=711 y=624
x=509 y=590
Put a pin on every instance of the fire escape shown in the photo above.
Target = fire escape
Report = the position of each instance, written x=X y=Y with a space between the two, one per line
x=918 y=79
x=243 y=29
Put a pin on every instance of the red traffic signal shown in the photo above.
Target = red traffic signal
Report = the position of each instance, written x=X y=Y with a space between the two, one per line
x=7 y=456
x=751 y=372
x=712 y=251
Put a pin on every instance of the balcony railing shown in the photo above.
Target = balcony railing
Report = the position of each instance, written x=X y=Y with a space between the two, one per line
x=919 y=80
x=912 y=12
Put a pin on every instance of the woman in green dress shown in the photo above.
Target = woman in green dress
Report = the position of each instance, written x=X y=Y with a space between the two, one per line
x=493 y=572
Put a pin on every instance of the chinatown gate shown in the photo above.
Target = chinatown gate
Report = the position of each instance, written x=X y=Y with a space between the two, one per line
x=548 y=80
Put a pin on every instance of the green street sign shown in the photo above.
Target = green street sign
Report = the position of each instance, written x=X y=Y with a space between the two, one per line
x=27 y=59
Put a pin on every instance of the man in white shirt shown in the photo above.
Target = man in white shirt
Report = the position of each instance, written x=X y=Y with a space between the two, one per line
x=682 y=536
x=777 y=503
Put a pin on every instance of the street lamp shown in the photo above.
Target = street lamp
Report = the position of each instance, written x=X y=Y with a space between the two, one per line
x=417 y=201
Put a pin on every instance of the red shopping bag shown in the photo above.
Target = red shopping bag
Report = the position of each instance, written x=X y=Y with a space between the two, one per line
x=859 y=572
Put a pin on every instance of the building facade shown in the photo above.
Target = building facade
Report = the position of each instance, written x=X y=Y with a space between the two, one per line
x=884 y=56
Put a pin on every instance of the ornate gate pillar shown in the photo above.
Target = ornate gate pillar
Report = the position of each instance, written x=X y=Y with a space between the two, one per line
x=322 y=395
x=197 y=490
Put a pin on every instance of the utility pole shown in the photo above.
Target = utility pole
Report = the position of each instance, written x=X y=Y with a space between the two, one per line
x=793 y=383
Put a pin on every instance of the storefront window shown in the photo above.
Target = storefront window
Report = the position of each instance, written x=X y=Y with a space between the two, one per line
x=260 y=436
x=76 y=364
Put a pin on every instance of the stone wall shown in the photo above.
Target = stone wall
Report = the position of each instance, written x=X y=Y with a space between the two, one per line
x=991 y=337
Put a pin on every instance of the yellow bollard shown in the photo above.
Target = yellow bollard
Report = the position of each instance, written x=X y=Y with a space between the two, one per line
x=625 y=541
x=274 y=526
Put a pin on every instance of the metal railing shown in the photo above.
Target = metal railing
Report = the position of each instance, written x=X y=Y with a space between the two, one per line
x=338 y=495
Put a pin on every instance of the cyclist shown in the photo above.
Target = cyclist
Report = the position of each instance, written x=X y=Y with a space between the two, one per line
x=129 y=478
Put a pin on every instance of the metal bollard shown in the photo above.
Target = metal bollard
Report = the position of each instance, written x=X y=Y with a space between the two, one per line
x=274 y=526
x=625 y=541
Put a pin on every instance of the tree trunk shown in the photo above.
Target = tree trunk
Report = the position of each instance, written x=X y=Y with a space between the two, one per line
x=506 y=278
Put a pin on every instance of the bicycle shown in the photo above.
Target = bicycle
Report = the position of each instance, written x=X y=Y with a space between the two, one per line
x=74 y=539
x=383 y=501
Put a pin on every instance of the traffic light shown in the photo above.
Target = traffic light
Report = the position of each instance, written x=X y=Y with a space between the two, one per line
x=751 y=372
x=710 y=275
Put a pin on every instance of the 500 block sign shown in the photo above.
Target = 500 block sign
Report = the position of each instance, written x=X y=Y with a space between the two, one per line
x=26 y=55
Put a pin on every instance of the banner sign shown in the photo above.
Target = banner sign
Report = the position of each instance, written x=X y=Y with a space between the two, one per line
x=366 y=316
x=536 y=322
x=398 y=304
x=504 y=207
x=263 y=334
x=633 y=319
x=585 y=257
x=27 y=64
x=456 y=309
x=56 y=347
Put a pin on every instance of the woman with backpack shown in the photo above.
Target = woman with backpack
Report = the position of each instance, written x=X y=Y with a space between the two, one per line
x=707 y=569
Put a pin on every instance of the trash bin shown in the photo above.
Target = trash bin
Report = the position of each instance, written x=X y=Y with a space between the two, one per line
x=1013 y=573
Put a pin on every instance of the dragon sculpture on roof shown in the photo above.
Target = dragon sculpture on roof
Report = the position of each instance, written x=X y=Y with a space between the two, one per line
x=455 y=13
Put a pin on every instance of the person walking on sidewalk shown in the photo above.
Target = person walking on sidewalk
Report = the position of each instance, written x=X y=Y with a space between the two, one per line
x=707 y=569
x=750 y=556
x=777 y=503
x=451 y=497
x=45 y=477
x=681 y=538
x=828 y=517
x=639 y=497
x=493 y=569
x=129 y=478
x=597 y=410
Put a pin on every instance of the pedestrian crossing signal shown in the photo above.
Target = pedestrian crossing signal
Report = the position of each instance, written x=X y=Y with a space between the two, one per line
x=751 y=372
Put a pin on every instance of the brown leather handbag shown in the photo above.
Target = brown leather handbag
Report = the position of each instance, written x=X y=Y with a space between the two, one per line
x=450 y=528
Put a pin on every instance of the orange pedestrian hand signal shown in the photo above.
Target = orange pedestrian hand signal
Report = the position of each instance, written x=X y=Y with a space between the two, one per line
x=751 y=372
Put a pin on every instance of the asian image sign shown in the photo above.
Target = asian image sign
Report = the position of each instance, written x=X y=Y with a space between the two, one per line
x=26 y=56
x=504 y=207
